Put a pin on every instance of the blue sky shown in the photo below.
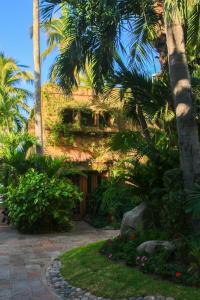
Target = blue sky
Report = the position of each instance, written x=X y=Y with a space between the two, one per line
x=15 y=41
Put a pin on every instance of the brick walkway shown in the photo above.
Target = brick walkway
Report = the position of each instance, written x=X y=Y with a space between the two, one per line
x=23 y=259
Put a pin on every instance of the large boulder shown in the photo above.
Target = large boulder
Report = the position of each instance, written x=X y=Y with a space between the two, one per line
x=133 y=219
x=151 y=246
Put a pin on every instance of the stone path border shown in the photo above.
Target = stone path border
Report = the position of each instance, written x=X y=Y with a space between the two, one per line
x=66 y=291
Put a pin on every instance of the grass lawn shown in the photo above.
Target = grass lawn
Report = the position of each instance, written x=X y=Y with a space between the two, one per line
x=85 y=267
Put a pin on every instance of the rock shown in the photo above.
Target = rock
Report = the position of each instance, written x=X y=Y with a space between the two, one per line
x=150 y=298
x=133 y=218
x=150 y=246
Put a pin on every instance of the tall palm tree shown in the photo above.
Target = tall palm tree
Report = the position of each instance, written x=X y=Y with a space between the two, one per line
x=37 y=74
x=13 y=99
x=182 y=91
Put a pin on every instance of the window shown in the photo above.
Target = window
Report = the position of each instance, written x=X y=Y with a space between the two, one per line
x=87 y=118
x=67 y=116
x=105 y=120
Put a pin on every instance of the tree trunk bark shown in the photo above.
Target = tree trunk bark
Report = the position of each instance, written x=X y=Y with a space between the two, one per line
x=37 y=75
x=160 y=40
x=182 y=94
x=143 y=122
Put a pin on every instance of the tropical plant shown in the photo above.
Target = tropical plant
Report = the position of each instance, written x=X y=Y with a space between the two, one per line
x=14 y=156
x=145 y=101
x=55 y=31
x=12 y=74
x=17 y=157
x=110 y=201
x=13 y=98
x=147 y=19
x=96 y=32
x=84 y=46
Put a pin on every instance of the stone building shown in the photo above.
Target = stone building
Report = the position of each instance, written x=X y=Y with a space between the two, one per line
x=79 y=127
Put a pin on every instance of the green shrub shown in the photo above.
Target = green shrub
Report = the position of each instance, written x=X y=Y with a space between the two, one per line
x=162 y=190
x=167 y=204
x=124 y=248
x=41 y=204
x=110 y=201
x=181 y=265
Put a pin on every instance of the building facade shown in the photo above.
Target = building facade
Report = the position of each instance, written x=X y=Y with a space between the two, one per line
x=79 y=127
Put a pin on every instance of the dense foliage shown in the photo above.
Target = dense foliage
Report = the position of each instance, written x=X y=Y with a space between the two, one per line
x=180 y=265
x=161 y=158
x=39 y=203
x=110 y=201
x=37 y=190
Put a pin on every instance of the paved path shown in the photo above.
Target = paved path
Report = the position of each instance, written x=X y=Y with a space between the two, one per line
x=23 y=259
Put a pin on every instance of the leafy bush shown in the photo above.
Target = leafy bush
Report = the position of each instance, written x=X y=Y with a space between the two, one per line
x=40 y=204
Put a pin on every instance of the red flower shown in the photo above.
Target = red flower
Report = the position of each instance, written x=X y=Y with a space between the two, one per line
x=109 y=242
x=131 y=237
x=178 y=274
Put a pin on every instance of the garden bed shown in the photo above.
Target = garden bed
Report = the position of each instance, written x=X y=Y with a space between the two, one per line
x=87 y=269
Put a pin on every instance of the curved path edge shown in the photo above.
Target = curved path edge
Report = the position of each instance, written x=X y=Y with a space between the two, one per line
x=65 y=291
x=24 y=259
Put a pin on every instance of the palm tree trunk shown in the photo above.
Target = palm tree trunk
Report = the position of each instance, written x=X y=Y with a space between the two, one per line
x=160 y=40
x=37 y=74
x=143 y=123
x=182 y=93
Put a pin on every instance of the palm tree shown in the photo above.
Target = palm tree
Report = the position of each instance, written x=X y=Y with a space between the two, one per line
x=146 y=101
x=11 y=106
x=55 y=31
x=85 y=44
x=182 y=92
x=37 y=74
x=14 y=148
x=12 y=74
x=13 y=99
